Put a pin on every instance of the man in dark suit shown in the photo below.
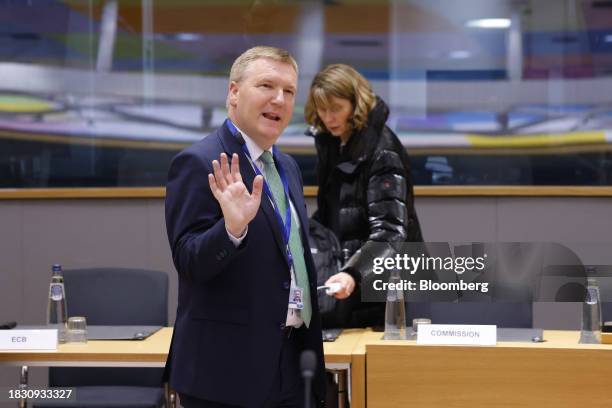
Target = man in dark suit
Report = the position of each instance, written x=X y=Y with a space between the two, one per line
x=247 y=303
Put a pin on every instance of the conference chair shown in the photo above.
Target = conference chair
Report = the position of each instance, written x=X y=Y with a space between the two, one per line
x=511 y=303
x=510 y=315
x=114 y=296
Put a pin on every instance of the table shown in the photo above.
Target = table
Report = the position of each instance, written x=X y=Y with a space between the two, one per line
x=153 y=352
x=557 y=373
x=340 y=354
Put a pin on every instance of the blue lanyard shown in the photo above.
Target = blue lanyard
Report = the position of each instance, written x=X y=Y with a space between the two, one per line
x=281 y=172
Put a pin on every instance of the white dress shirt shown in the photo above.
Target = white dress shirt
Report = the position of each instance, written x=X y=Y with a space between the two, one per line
x=293 y=316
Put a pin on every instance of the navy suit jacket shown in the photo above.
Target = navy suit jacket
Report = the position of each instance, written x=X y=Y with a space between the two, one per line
x=232 y=302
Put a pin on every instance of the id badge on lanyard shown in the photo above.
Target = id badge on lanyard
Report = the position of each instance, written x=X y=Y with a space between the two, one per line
x=296 y=293
x=296 y=297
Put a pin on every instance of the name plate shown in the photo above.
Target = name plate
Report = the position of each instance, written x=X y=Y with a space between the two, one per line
x=457 y=334
x=44 y=339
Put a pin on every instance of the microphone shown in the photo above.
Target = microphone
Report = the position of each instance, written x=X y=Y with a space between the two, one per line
x=308 y=366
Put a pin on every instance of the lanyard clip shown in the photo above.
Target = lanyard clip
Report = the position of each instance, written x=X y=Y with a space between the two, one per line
x=289 y=255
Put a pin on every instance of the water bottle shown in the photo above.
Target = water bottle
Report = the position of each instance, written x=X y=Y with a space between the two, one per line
x=57 y=314
x=591 y=314
x=395 y=310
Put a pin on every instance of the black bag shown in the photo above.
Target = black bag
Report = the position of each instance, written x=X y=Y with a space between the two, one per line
x=327 y=255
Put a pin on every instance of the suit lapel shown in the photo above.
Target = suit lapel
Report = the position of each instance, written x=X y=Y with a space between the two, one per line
x=231 y=145
x=295 y=192
x=270 y=213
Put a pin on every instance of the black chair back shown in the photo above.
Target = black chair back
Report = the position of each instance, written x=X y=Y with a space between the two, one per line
x=114 y=296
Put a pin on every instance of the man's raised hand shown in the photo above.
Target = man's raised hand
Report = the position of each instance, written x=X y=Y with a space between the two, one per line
x=237 y=204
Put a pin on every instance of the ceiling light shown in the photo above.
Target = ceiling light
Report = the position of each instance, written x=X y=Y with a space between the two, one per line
x=489 y=23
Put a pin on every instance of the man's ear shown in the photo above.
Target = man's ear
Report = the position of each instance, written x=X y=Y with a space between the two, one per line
x=232 y=95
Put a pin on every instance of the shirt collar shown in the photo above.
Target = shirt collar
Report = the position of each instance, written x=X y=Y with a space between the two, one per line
x=254 y=150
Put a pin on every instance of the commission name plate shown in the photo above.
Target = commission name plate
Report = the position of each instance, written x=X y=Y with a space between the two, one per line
x=457 y=334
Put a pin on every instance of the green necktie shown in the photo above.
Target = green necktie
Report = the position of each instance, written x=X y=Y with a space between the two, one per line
x=295 y=242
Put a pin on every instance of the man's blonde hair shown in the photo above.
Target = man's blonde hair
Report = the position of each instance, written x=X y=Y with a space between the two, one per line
x=344 y=82
x=242 y=62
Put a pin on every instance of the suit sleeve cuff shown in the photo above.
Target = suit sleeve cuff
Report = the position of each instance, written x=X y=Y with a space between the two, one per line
x=237 y=240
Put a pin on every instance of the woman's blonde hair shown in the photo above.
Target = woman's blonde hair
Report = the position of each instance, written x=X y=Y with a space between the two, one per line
x=341 y=81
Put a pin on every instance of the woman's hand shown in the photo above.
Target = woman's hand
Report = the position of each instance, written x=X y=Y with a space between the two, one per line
x=347 y=284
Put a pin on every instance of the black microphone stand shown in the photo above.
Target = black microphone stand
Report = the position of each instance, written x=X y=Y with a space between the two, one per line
x=308 y=365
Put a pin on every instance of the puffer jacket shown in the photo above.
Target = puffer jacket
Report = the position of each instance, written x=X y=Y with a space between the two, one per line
x=372 y=185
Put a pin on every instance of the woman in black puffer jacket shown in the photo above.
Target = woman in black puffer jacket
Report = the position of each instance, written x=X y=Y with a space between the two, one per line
x=365 y=190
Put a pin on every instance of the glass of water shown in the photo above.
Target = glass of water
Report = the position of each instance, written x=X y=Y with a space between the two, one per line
x=77 y=329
